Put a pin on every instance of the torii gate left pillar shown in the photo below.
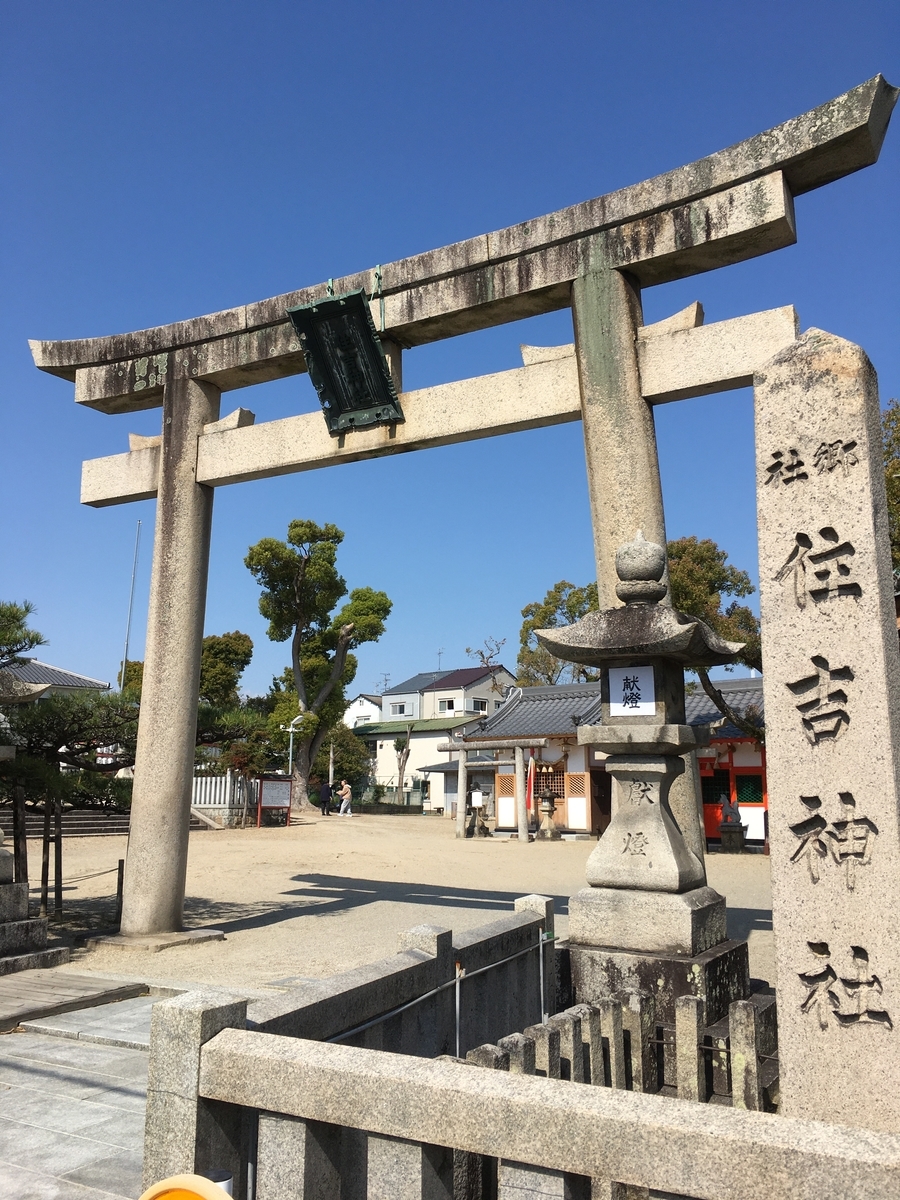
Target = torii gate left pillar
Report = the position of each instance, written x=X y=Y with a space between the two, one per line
x=156 y=866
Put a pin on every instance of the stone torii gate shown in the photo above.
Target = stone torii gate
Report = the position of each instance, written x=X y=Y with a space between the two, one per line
x=594 y=257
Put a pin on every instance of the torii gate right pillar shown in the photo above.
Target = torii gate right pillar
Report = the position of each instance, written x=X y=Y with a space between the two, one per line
x=622 y=463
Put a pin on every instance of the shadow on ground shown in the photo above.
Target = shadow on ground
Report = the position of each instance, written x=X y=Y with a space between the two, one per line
x=324 y=895
x=743 y=921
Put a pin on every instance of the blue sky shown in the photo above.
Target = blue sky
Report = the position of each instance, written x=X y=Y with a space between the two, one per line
x=167 y=159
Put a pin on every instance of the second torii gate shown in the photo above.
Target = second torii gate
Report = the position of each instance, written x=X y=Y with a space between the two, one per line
x=594 y=257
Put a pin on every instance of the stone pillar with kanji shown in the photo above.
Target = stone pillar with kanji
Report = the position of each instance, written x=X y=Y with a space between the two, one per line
x=831 y=683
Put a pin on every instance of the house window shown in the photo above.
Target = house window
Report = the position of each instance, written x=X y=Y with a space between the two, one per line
x=497 y=704
x=398 y=710
x=479 y=706
x=362 y=720
x=446 y=705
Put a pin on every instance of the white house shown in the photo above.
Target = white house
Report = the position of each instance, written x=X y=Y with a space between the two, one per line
x=435 y=694
x=362 y=710
x=432 y=705
x=425 y=737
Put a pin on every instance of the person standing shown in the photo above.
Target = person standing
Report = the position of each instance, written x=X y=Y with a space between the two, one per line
x=346 y=797
x=325 y=793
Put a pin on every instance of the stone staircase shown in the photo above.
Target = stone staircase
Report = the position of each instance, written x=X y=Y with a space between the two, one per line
x=90 y=822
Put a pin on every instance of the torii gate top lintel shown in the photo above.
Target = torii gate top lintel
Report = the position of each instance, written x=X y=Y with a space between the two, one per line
x=729 y=206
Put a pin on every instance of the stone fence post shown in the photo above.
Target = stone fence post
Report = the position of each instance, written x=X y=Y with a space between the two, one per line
x=183 y=1132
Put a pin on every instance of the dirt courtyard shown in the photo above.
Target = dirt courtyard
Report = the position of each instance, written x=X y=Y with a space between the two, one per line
x=331 y=893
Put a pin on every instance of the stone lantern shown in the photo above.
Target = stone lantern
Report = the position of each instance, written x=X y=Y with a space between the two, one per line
x=647 y=915
x=548 y=831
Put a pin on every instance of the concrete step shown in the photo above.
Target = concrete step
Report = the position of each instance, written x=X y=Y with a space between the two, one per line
x=89 y=824
x=56 y=956
x=21 y=937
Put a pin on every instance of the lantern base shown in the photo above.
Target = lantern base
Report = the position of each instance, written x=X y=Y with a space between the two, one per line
x=648 y=922
x=718 y=977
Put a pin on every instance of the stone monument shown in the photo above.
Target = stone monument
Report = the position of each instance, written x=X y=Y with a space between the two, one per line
x=648 y=922
x=832 y=687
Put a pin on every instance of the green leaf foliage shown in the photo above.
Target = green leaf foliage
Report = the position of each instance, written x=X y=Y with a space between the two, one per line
x=299 y=578
x=68 y=730
x=563 y=604
x=351 y=759
x=699 y=577
x=133 y=679
x=16 y=638
x=223 y=660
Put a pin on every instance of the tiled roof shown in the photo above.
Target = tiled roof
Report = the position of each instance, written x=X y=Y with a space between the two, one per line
x=463 y=678
x=542 y=712
x=551 y=711
x=33 y=671
x=436 y=725
x=417 y=683
x=740 y=695
x=480 y=762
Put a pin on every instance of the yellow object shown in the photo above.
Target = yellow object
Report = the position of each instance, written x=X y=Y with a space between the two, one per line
x=184 y=1187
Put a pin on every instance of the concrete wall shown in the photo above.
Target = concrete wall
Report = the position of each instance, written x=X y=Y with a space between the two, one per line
x=423 y=752
x=410 y=699
x=361 y=707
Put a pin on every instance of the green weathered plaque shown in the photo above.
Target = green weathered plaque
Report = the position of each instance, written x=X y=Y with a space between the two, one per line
x=346 y=362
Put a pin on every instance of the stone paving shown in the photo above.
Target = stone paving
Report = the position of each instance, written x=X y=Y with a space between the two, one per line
x=126 y=1024
x=72 y=1109
x=325 y=897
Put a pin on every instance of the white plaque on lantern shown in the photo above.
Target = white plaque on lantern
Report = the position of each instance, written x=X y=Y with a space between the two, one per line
x=631 y=692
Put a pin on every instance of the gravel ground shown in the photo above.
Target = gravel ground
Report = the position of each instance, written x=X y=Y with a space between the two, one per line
x=331 y=893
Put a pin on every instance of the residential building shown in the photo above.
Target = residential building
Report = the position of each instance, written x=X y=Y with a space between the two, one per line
x=432 y=695
x=362 y=709
x=425 y=737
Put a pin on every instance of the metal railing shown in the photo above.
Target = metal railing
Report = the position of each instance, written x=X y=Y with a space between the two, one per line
x=456 y=983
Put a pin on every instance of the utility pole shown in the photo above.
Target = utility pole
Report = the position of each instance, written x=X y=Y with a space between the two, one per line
x=137 y=542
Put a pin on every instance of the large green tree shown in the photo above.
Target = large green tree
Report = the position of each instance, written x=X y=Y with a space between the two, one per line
x=564 y=604
x=702 y=583
x=301 y=588
x=72 y=731
x=223 y=660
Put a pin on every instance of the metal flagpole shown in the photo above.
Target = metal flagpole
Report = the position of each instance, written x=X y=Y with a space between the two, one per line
x=137 y=542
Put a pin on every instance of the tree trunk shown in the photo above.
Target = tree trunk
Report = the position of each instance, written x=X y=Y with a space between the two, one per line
x=300 y=783
x=746 y=724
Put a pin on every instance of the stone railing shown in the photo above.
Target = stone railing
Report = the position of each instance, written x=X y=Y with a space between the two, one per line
x=292 y=1118
x=441 y=994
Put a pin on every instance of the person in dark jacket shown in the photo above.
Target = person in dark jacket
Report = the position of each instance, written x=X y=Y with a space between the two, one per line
x=325 y=793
